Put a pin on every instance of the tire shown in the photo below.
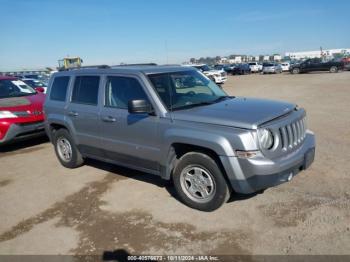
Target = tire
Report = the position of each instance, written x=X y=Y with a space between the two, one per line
x=333 y=69
x=65 y=149
x=212 y=79
x=295 y=71
x=195 y=173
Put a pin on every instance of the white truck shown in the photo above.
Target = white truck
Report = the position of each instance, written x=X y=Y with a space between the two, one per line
x=255 y=67
x=218 y=76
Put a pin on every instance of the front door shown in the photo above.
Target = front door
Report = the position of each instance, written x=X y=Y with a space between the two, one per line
x=131 y=139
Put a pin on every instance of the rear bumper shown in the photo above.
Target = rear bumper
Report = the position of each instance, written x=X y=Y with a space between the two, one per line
x=251 y=175
x=269 y=71
x=18 y=131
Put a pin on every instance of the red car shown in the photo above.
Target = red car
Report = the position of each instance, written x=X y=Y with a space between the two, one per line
x=21 y=110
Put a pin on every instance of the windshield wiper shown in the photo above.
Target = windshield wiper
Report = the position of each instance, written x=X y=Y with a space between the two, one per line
x=220 y=98
x=192 y=105
x=204 y=103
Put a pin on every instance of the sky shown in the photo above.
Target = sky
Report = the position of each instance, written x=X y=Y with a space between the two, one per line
x=36 y=33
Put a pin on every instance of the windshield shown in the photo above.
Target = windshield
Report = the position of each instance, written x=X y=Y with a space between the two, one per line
x=34 y=83
x=185 y=89
x=14 y=88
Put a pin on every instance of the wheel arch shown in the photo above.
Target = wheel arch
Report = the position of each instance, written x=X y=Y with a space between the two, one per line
x=178 y=149
x=53 y=126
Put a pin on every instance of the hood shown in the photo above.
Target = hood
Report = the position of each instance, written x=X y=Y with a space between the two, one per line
x=213 y=71
x=239 y=112
x=23 y=103
x=295 y=64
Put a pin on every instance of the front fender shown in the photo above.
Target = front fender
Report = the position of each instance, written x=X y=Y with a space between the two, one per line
x=217 y=143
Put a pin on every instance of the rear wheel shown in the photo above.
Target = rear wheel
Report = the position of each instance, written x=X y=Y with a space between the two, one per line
x=199 y=182
x=333 y=69
x=65 y=149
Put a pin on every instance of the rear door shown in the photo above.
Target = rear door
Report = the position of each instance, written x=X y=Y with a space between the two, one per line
x=83 y=113
x=316 y=64
x=131 y=139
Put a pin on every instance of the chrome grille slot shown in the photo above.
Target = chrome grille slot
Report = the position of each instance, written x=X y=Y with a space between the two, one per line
x=295 y=138
x=284 y=138
x=298 y=131
x=292 y=134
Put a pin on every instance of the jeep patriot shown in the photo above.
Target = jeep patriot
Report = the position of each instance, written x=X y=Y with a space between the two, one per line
x=174 y=122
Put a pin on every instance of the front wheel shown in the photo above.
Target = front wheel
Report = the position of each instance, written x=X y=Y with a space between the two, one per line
x=296 y=71
x=333 y=69
x=199 y=182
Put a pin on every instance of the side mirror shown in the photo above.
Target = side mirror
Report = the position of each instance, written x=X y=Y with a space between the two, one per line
x=40 y=89
x=139 y=107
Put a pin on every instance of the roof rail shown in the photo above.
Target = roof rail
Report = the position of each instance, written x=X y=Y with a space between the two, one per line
x=141 y=64
x=85 y=67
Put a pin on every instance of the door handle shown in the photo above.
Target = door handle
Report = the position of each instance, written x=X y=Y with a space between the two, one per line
x=72 y=113
x=109 y=119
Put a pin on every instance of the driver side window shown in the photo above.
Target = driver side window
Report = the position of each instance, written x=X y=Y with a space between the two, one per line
x=120 y=90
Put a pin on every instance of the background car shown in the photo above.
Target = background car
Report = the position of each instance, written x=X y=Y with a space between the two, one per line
x=271 y=68
x=36 y=84
x=316 y=64
x=227 y=67
x=254 y=67
x=217 y=76
x=285 y=66
x=241 y=69
x=346 y=62
x=21 y=110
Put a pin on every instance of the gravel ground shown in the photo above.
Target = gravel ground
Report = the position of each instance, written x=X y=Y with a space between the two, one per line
x=47 y=209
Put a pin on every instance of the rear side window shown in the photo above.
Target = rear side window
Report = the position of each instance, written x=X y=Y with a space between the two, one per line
x=85 y=90
x=59 y=88
x=120 y=90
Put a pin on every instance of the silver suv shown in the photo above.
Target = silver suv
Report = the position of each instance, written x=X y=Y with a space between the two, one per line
x=176 y=123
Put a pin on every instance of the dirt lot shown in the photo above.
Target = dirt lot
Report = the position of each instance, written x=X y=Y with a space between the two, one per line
x=47 y=209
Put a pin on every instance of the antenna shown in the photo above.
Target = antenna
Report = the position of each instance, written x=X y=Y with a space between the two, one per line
x=166 y=52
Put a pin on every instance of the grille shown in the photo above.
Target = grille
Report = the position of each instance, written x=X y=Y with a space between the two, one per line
x=293 y=134
x=21 y=113
x=30 y=123
x=223 y=74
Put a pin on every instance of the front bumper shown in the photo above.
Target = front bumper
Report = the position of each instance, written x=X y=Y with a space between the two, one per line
x=220 y=79
x=18 y=131
x=251 y=175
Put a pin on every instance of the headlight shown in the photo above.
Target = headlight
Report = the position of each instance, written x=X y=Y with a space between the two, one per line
x=7 y=114
x=266 y=138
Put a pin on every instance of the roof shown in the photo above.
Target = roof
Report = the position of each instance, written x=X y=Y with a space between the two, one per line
x=7 y=78
x=137 y=69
